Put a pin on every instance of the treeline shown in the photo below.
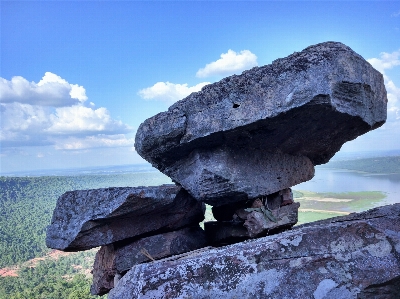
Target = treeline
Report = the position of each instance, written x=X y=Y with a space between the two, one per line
x=63 y=278
x=27 y=204
x=371 y=165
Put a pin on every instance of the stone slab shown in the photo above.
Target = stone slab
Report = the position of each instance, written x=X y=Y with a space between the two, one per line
x=114 y=260
x=85 y=219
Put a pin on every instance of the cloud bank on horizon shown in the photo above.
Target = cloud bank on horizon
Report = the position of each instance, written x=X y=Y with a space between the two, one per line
x=54 y=112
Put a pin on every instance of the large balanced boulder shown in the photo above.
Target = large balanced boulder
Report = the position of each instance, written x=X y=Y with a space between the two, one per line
x=114 y=260
x=89 y=218
x=354 y=256
x=254 y=134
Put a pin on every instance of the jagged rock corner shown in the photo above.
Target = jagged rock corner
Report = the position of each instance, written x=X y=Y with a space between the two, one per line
x=240 y=144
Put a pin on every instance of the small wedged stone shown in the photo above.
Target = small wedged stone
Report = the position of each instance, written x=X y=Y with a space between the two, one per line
x=116 y=259
x=235 y=210
x=355 y=256
x=224 y=143
x=254 y=224
x=285 y=217
x=89 y=218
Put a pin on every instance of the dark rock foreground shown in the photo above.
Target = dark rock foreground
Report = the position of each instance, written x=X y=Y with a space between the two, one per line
x=354 y=256
x=89 y=218
x=114 y=260
x=254 y=134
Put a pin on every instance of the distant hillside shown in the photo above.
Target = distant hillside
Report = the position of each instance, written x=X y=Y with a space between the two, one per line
x=26 y=207
x=372 y=165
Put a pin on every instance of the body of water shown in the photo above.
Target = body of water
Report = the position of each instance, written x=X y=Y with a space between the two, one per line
x=336 y=180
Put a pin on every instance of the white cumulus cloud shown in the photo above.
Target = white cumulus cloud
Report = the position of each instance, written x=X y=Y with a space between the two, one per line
x=395 y=14
x=169 y=92
x=80 y=119
x=384 y=62
x=230 y=63
x=51 y=90
x=53 y=112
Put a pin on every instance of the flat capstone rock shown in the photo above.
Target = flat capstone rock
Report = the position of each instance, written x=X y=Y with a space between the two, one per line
x=278 y=120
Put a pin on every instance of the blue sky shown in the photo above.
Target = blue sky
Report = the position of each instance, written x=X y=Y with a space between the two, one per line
x=78 y=77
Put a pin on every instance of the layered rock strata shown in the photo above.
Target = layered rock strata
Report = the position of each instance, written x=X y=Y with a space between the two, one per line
x=89 y=218
x=354 y=256
x=114 y=260
x=260 y=132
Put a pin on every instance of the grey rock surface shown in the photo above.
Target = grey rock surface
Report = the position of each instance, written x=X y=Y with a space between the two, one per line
x=285 y=217
x=235 y=211
x=224 y=175
x=89 y=218
x=301 y=108
x=256 y=224
x=355 y=256
x=114 y=259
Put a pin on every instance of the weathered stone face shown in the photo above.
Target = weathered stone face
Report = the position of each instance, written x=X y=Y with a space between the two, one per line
x=223 y=175
x=116 y=259
x=254 y=224
x=298 y=110
x=354 y=256
x=89 y=218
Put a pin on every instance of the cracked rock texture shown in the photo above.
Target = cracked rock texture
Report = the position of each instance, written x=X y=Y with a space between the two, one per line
x=118 y=258
x=255 y=225
x=89 y=218
x=262 y=131
x=355 y=256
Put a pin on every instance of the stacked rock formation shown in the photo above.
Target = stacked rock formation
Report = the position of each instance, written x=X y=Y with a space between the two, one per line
x=239 y=145
x=249 y=137
x=133 y=225
x=261 y=132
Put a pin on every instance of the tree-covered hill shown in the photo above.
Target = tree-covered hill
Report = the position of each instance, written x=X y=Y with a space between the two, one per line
x=26 y=207
x=66 y=277
x=371 y=165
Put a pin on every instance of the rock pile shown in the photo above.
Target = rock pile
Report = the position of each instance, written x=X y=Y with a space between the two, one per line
x=133 y=225
x=239 y=142
x=239 y=145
